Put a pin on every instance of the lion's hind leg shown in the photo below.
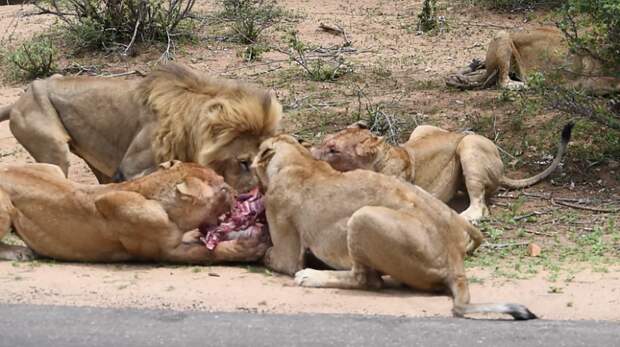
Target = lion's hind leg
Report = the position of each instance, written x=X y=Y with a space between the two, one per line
x=500 y=56
x=10 y=252
x=482 y=168
x=37 y=126
x=387 y=241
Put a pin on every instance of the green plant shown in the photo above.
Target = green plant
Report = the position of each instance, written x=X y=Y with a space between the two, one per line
x=427 y=19
x=33 y=59
x=318 y=68
x=249 y=18
x=253 y=52
x=107 y=24
x=515 y=5
x=593 y=27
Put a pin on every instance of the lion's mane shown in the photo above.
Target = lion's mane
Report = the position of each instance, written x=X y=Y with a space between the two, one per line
x=199 y=115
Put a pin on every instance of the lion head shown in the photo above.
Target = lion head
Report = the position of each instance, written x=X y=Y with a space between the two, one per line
x=212 y=122
x=354 y=147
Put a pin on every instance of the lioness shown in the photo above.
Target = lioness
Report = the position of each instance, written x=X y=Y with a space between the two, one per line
x=153 y=218
x=364 y=224
x=123 y=127
x=439 y=161
x=521 y=53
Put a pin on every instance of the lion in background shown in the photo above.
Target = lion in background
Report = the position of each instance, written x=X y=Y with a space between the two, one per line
x=123 y=128
x=439 y=161
x=518 y=54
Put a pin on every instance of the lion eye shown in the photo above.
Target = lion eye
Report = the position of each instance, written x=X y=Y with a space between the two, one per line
x=245 y=165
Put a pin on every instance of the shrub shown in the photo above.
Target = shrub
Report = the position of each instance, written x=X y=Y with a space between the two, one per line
x=33 y=59
x=427 y=19
x=319 y=68
x=517 y=5
x=249 y=18
x=253 y=52
x=593 y=27
x=94 y=24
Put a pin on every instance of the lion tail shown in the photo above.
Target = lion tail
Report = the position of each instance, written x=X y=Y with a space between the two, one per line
x=5 y=112
x=526 y=182
x=462 y=307
x=517 y=311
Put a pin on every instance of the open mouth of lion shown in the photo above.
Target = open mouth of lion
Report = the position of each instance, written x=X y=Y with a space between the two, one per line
x=246 y=220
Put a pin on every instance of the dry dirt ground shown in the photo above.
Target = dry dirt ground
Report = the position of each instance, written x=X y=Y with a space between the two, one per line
x=577 y=275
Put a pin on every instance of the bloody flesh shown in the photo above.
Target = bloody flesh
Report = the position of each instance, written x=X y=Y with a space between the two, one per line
x=244 y=221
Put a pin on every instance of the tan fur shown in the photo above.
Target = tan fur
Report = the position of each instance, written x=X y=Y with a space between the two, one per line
x=521 y=53
x=124 y=127
x=362 y=224
x=153 y=218
x=439 y=161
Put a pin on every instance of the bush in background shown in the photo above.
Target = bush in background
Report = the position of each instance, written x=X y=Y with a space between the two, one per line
x=107 y=24
x=249 y=18
x=515 y=5
x=32 y=59
x=593 y=27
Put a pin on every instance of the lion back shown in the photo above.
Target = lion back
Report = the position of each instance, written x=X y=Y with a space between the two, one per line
x=198 y=115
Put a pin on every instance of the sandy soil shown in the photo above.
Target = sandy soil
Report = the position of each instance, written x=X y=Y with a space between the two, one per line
x=218 y=288
x=376 y=27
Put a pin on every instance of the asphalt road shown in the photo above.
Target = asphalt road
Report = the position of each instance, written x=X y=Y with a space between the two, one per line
x=32 y=325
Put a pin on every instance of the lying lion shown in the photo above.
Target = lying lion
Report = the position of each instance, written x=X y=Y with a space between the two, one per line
x=520 y=53
x=363 y=224
x=153 y=218
x=123 y=127
x=436 y=160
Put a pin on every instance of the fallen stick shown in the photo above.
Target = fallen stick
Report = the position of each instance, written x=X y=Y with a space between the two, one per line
x=487 y=25
x=504 y=245
x=587 y=208
x=330 y=29
x=533 y=213
x=337 y=30
x=134 y=72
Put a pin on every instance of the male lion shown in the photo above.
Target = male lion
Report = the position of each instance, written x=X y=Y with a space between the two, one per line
x=364 y=223
x=439 y=161
x=521 y=53
x=152 y=218
x=123 y=127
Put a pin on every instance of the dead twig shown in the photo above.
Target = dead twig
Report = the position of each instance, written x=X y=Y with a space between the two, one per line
x=336 y=30
x=543 y=197
x=331 y=30
x=504 y=245
x=166 y=56
x=266 y=71
x=582 y=207
x=134 y=72
x=486 y=25
x=133 y=37
x=537 y=232
x=533 y=213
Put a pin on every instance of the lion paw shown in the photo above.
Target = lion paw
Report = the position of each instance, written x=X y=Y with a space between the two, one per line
x=515 y=85
x=18 y=253
x=310 y=278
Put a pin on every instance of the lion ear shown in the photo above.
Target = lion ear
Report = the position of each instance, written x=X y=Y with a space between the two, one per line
x=194 y=188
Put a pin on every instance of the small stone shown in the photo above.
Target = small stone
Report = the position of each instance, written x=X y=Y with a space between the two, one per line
x=533 y=250
x=613 y=164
